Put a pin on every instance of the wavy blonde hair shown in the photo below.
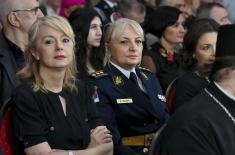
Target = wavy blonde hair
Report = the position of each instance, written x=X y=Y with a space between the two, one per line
x=31 y=70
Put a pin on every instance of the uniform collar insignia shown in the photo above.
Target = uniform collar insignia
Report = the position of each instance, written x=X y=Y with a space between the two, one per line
x=145 y=76
x=118 y=80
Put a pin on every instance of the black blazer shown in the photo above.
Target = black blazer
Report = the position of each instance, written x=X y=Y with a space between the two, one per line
x=106 y=10
x=8 y=69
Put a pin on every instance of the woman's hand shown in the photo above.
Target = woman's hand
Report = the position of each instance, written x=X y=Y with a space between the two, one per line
x=99 y=135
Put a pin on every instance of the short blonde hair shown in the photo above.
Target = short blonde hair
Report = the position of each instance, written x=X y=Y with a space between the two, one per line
x=31 y=70
x=114 y=30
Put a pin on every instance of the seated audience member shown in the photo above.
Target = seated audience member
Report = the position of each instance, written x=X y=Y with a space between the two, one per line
x=51 y=7
x=131 y=9
x=230 y=5
x=198 y=57
x=184 y=6
x=52 y=112
x=129 y=98
x=205 y=125
x=87 y=26
x=16 y=17
x=91 y=3
x=68 y=6
x=150 y=7
x=106 y=8
x=167 y=23
x=214 y=11
x=179 y=4
x=192 y=6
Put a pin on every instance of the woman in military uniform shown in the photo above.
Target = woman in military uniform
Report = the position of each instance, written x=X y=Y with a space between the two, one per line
x=129 y=97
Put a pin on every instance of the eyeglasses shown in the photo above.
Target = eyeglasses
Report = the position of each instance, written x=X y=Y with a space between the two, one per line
x=35 y=10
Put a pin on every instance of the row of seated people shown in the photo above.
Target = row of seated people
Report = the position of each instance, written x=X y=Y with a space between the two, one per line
x=216 y=99
x=53 y=113
x=142 y=75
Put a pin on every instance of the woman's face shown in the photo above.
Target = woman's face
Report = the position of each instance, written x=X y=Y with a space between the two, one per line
x=174 y=34
x=95 y=33
x=205 y=49
x=54 y=50
x=126 y=52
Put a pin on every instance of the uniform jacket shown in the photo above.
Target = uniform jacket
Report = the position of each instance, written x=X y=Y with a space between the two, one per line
x=126 y=110
x=8 y=69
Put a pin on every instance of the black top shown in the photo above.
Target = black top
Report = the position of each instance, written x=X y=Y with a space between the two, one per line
x=201 y=127
x=187 y=86
x=17 y=53
x=8 y=69
x=167 y=71
x=38 y=117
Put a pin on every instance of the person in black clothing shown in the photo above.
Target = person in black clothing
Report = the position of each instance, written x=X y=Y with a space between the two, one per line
x=52 y=112
x=205 y=125
x=167 y=23
x=198 y=57
x=16 y=18
x=90 y=52
x=105 y=9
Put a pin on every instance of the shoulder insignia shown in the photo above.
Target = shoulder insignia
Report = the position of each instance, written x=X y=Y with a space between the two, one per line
x=144 y=75
x=98 y=74
x=145 y=69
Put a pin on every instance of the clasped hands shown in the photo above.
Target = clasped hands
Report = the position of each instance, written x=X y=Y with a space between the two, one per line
x=99 y=135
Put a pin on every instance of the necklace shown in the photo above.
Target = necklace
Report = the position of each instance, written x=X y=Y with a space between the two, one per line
x=221 y=105
x=198 y=74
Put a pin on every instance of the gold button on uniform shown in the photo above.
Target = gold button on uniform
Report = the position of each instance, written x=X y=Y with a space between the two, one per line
x=145 y=150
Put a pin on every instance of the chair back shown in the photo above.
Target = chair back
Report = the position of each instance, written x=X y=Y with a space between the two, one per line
x=6 y=133
x=169 y=95
x=155 y=144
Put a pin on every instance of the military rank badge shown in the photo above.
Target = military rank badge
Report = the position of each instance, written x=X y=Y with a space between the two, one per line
x=118 y=80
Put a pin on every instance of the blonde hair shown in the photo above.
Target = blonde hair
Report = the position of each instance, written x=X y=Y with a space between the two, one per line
x=114 y=30
x=31 y=70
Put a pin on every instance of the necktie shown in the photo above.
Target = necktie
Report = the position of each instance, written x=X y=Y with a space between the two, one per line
x=133 y=78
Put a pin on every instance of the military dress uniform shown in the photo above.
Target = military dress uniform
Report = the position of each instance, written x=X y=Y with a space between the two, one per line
x=132 y=115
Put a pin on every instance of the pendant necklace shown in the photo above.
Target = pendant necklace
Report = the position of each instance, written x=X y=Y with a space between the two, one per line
x=221 y=105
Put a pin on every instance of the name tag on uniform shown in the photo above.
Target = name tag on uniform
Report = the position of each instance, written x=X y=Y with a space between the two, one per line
x=125 y=100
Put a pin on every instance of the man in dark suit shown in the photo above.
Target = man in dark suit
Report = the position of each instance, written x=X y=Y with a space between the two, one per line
x=16 y=17
x=106 y=8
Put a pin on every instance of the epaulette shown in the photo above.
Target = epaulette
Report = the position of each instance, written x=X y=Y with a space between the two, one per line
x=145 y=69
x=98 y=74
